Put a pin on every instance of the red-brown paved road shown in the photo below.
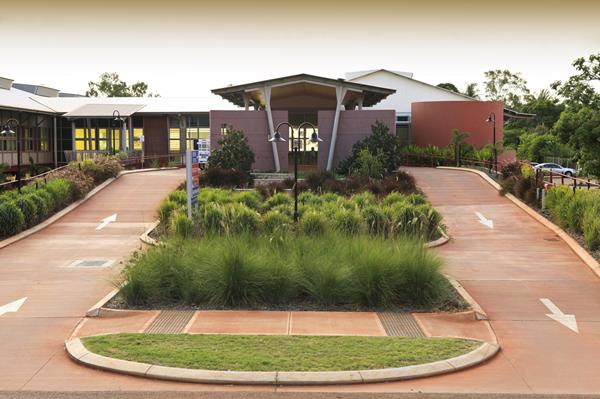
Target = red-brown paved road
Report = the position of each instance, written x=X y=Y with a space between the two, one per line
x=506 y=269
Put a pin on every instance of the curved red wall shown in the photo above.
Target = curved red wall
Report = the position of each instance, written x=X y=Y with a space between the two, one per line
x=433 y=121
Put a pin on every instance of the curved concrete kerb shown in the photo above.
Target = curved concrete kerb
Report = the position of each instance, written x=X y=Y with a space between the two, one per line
x=79 y=353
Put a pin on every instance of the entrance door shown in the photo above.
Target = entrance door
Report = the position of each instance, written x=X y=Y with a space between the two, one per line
x=308 y=152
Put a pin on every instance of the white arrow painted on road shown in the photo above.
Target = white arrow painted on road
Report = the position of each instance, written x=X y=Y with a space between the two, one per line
x=106 y=221
x=567 y=320
x=483 y=220
x=13 y=306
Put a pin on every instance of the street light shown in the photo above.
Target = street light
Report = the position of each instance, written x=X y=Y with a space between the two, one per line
x=314 y=138
x=117 y=118
x=492 y=119
x=8 y=131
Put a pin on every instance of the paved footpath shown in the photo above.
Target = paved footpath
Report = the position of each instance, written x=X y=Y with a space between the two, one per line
x=507 y=269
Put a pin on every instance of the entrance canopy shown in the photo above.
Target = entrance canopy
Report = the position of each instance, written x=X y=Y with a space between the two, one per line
x=303 y=92
x=103 y=110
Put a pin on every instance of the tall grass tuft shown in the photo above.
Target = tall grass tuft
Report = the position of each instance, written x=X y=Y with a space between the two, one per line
x=347 y=222
x=313 y=223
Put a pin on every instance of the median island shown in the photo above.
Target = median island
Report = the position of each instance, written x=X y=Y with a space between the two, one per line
x=277 y=353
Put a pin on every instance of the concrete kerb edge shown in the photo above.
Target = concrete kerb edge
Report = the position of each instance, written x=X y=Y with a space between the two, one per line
x=574 y=245
x=80 y=354
x=11 y=240
x=145 y=237
x=440 y=241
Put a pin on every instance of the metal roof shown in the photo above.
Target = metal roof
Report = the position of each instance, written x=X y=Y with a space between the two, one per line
x=235 y=94
x=103 y=110
x=22 y=101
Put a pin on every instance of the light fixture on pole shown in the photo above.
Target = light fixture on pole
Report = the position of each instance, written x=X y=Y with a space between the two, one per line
x=8 y=131
x=118 y=119
x=314 y=138
x=492 y=119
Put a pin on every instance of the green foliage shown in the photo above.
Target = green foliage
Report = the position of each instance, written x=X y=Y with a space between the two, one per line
x=252 y=199
x=12 y=220
x=110 y=85
x=449 y=87
x=241 y=219
x=275 y=222
x=522 y=185
x=41 y=204
x=580 y=129
x=182 y=226
x=503 y=85
x=579 y=90
x=278 y=199
x=364 y=199
x=212 y=219
x=3 y=169
x=233 y=152
x=347 y=222
x=178 y=197
x=252 y=271
x=591 y=227
x=100 y=169
x=381 y=140
x=535 y=147
x=29 y=209
x=165 y=210
x=313 y=223
x=370 y=165
x=376 y=220
x=61 y=190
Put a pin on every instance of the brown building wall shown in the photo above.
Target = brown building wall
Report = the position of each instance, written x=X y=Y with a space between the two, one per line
x=156 y=135
x=432 y=122
x=256 y=129
x=354 y=126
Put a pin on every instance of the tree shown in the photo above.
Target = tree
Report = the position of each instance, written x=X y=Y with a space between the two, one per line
x=233 y=152
x=535 y=147
x=456 y=143
x=370 y=165
x=471 y=90
x=381 y=140
x=579 y=89
x=448 y=86
x=580 y=128
x=110 y=85
x=503 y=85
x=546 y=107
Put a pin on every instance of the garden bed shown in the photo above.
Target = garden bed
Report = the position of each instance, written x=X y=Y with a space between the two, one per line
x=277 y=353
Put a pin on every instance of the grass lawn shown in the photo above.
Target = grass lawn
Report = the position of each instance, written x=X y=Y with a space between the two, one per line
x=277 y=353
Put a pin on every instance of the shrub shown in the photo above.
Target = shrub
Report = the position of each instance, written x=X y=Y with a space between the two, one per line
x=370 y=165
x=181 y=225
x=241 y=219
x=212 y=219
x=48 y=199
x=591 y=227
x=41 y=204
x=276 y=222
x=165 y=211
x=99 y=169
x=179 y=197
x=313 y=223
x=406 y=220
x=252 y=199
x=347 y=222
x=233 y=152
x=401 y=182
x=12 y=220
x=394 y=198
x=222 y=177
x=416 y=199
x=316 y=180
x=432 y=219
x=376 y=220
x=29 y=209
x=61 y=190
x=278 y=199
x=364 y=199
x=81 y=183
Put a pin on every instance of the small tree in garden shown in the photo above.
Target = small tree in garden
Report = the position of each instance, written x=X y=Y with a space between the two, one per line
x=456 y=142
x=369 y=164
x=380 y=141
x=233 y=152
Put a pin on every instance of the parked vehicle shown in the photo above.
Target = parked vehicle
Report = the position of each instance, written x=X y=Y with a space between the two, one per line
x=556 y=168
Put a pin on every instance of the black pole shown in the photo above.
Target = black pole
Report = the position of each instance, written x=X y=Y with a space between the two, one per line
x=19 y=158
x=295 y=152
x=495 y=152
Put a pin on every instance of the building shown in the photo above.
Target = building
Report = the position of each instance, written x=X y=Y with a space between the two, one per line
x=59 y=127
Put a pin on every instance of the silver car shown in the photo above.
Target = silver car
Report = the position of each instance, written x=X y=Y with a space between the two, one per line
x=556 y=168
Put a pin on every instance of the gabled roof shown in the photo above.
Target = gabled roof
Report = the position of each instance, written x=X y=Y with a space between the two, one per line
x=235 y=94
x=360 y=74
x=408 y=76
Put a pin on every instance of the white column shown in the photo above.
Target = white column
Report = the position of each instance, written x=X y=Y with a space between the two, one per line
x=54 y=143
x=340 y=92
x=246 y=101
x=266 y=92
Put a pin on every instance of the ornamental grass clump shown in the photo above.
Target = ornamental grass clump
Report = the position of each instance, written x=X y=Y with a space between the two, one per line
x=274 y=222
x=254 y=271
x=313 y=223
x=276 y=200
x=181 y=225
x=347 y=222
x=376 y=220
x=241 y=219
x=212 y=219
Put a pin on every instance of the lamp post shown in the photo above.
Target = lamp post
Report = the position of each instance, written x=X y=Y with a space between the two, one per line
x=314 y=138
x=492 y=119
x=117 y=118
x=8 y=131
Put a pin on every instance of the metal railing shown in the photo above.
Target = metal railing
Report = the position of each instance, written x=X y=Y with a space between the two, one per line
x=553 y=178
x=434 y=160
x=42 y=176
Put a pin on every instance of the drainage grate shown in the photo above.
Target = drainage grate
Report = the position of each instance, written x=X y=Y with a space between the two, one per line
x=170 y=322
x=91 y=263
x=400 y=324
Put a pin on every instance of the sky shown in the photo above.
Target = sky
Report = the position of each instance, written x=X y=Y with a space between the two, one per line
x=184 y=48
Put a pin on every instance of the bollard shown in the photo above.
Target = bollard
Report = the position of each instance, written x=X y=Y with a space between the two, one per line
x=543 y=199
